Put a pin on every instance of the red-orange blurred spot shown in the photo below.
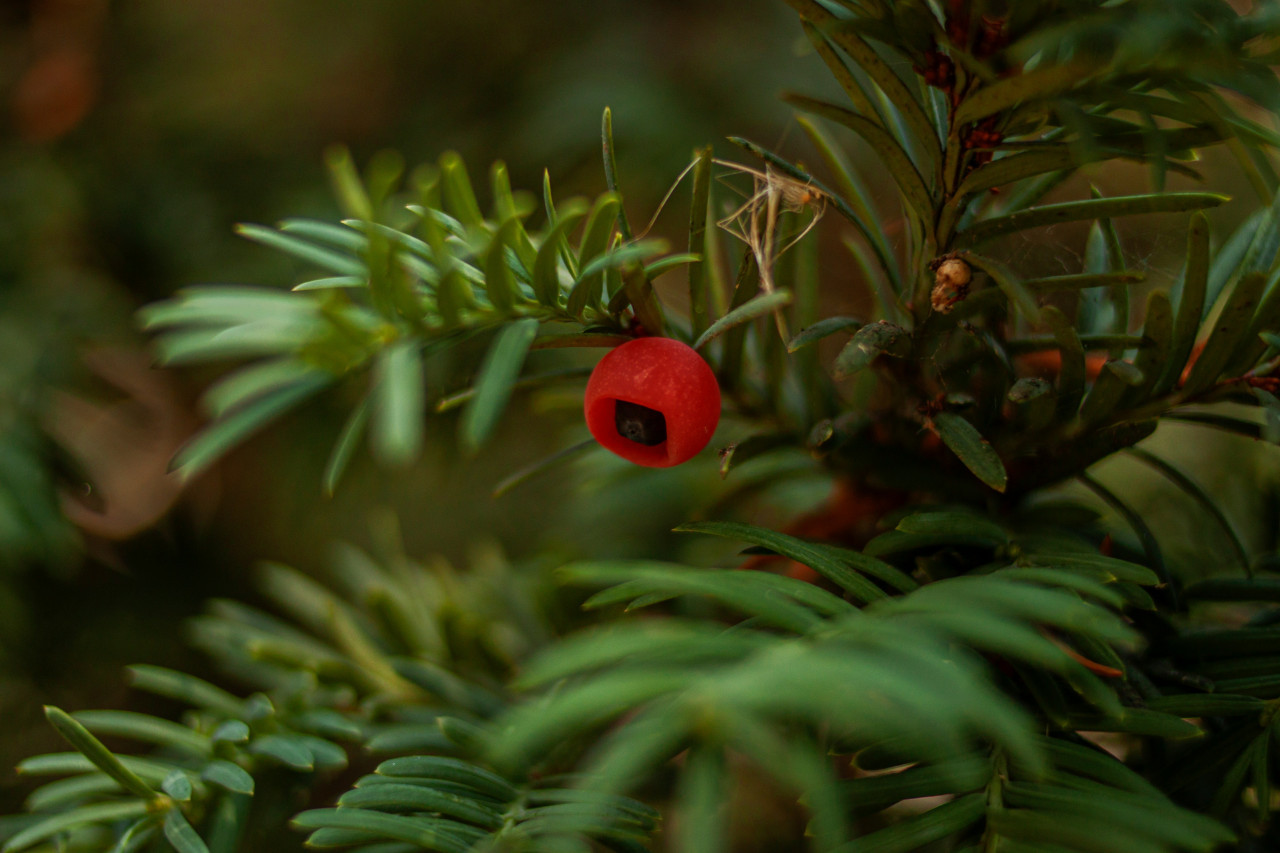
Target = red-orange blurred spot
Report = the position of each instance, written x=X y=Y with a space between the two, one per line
x=1047 y=364
x=848 y=518
x=54 y=94
x=1191 y=362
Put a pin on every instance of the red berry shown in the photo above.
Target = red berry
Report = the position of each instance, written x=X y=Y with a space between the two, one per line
x=670 y=402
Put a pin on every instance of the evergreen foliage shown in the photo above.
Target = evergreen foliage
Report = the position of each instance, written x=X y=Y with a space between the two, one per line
x=971 y=650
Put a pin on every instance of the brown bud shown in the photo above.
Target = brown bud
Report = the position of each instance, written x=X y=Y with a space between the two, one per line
x=950 y=284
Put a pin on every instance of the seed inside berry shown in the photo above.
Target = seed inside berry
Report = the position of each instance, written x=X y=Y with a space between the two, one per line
x=640 y=424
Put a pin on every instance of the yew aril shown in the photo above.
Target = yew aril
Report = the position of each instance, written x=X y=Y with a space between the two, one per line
x=653 y=401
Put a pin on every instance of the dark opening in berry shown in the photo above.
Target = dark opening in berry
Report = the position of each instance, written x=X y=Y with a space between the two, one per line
x=640 y=424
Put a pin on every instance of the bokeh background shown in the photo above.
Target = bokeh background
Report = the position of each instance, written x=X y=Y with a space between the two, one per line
x=135 y=134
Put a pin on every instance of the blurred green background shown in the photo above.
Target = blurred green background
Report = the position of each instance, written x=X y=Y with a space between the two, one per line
x=136 y=134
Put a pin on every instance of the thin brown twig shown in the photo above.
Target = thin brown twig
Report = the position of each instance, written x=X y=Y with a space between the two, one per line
x=755 y=221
